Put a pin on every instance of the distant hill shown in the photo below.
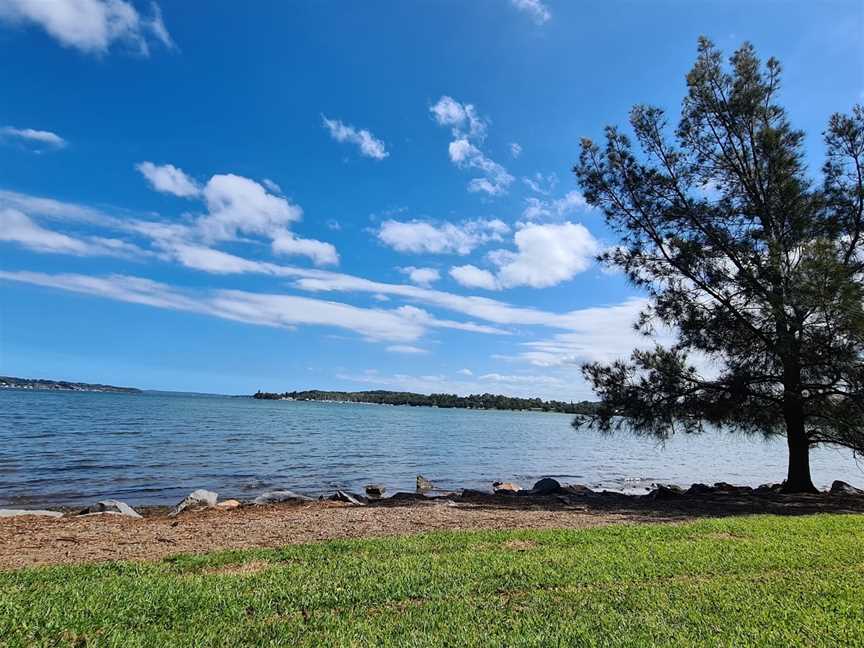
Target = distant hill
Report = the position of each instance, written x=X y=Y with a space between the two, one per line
x=474 y=401
x=8 y=382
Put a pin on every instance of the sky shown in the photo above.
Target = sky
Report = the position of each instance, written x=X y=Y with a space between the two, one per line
x=224 y=197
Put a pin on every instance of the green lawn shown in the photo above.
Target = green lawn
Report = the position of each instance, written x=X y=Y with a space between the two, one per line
x=735 y=582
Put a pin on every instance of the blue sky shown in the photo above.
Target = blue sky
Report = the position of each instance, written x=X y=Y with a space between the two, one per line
x=221 y=197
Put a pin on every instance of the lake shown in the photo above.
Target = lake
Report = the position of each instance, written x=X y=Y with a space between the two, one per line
x=72 y=448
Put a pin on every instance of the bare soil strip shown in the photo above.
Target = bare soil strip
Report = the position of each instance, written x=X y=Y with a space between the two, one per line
x=32 y=541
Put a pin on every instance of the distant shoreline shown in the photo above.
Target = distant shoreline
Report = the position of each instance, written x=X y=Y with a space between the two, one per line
x=41 y=384
x=443 y=401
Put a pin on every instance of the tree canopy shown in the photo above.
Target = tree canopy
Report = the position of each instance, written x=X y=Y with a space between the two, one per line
x=756 y=266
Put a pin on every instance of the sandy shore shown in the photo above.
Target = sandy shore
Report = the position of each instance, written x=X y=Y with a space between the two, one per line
x=32 y=541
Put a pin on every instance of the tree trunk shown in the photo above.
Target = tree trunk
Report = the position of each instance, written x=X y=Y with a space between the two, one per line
x=798 y=475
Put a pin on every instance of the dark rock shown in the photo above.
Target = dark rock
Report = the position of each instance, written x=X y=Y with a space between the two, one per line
x=767 y=489
x=281 y=497
x=403 y=495
x=699 y=489
x=546 y=486
x=730 y=489
x=576 y=489
x=111 y=506
x=351 y=498
x=842 y=488
x=424 y=484
x=665 y=492
x=375 y=490
x=197 y=499
x=472 y=493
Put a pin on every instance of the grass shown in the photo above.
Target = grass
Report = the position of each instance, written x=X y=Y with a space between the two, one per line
x=736 y=582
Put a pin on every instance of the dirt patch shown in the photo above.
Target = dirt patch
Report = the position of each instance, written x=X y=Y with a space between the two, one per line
x=239 y=569
x=519 y=545
x=31 y=541
x=28 y=541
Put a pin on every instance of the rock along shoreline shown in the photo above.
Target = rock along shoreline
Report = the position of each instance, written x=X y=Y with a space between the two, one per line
x=505 y=494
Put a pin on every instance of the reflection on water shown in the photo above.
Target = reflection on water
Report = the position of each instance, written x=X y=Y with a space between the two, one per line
x=72 y=448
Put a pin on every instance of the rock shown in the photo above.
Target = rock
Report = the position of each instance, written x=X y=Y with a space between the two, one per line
x=197 y=499
x=576 y=489
x=21 y=512
x=505 y=488
x=375 y=490
x=766 y=489
x=473 y=493
x=402 y=495
x=111 y=506
x=228 y=504
x=842 y=488
x=665 y=492
x=699 y=489
x=281 y=497
x=730 y=489
x=424 y=484
x=546 y=486
x=351 y=498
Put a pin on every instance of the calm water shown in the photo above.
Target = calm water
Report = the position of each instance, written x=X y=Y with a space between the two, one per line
x=73 y=448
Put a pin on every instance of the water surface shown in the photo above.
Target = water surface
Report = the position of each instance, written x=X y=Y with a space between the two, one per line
x=71 y=448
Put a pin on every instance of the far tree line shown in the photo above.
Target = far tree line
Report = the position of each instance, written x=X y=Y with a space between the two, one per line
x=473 y=401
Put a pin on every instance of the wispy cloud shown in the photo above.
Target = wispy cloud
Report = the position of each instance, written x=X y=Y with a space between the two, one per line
x=468 y=130
x=368 y=145
x=33 y=136
x=538 y=11
x=91 y=26
x=167 y=178
x=17 y=227
x=285 y=311
x=422 y=236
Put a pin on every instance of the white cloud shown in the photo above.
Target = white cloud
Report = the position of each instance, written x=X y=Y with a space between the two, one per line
x=56 y=209
x=520 y=379
x=465 y=155
x=90 y=26
x=167 y=178
x=446 y=238
x=17 y=227
x=406 y=348
x=602 y=334
x=181 y=248
x=545 y=255
x=467 y=127
x=462 y=118
x=237 y=204
x=320 y=252
x=541 y=184
x=465 y=372
x=421 y=276
x=515 y=149
x=471 y=276
x=536 y=209
x=369 y=145
x=33 y=136
x=272 y=186
x=284 y=311
x=538 y=11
